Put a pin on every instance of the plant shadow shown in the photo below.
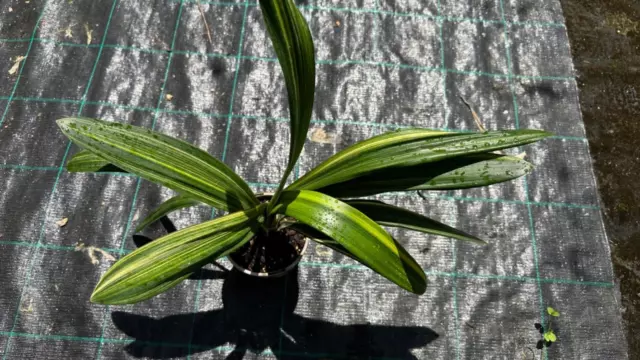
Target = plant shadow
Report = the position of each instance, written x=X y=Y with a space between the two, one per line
x=258 y=315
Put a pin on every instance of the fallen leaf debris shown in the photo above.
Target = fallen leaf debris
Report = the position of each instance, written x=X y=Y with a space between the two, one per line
x=62 y=222
x=92 y=252
x=16 y=64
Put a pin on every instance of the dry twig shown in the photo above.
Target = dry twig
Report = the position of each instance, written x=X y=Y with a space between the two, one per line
x=476 y=118
x=205 y=22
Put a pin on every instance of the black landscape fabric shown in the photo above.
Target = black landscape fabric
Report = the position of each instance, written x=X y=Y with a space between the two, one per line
x=382 y=65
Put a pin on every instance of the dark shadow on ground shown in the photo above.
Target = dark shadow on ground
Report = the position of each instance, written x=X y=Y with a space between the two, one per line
x=257 y=316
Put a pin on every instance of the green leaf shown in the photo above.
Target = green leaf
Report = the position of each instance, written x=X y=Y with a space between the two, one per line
x=550 y=336
x=175 y=203
x=293 y=45
x=457 y=173
x=389 y=215
x=319 y=237
x=306 y=230
x=86 y=161
x=365 y=240
x=163 y=263
x=323 y=239
x=409 y=148
x=162 y=159
x=552 y=311
x=317 y=178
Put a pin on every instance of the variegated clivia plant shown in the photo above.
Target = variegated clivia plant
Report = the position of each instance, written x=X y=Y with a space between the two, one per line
x=322 y=204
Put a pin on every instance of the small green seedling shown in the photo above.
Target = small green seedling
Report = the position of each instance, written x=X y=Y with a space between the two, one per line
x=553 y=312
x=548 y=335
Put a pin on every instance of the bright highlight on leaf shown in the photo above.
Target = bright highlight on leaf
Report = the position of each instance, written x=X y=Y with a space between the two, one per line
x=459 y=173
x=293 y=45
x=323 y=204
x=359 y=235
x=163 y=263
x=408 y=148
x=162 y=159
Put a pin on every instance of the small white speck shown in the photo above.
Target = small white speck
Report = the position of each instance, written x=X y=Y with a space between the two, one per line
x=10 y=9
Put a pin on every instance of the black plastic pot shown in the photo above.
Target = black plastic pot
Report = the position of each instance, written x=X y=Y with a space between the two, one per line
x=274 y=273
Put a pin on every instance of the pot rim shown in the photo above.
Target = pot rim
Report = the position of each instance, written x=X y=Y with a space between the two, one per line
x=276 y=273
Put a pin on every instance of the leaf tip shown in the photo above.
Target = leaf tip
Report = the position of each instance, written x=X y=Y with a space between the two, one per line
x=96 y=297
x=63 y=123
x=418 y=284
x=67 y=125
x=542 y=134
x=419 y=288
x=529 y=167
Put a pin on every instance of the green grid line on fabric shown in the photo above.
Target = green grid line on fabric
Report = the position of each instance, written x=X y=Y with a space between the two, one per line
x=227 y=131
x=22 y=65
x=219 y=349
x=196 y=303
x=430 y=195
x=454 y=258
x=532 y=230
x=376 y=10
x=234 y=86
x=123 y=241
x=318 y=62
x=57 y=179
x=375 y=32
x=256 y=117
x=230 y=116
x=7 y=345
x=511 y=278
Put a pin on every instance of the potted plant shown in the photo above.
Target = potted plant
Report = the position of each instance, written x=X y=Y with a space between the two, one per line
x=267 y=234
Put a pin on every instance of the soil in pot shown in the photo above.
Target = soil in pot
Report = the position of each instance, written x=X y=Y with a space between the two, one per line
x=267 y=254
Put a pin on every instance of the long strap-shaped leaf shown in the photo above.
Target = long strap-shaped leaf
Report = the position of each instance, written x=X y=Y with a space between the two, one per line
x=389 y=215
x=293 y=45
x=428 y=149
x=86 y=161
x=163 y=263
x=175 y=203
x=369 y=243
x=353 y=152
x=320 y=238
x=162 y=159
x=458 y=173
